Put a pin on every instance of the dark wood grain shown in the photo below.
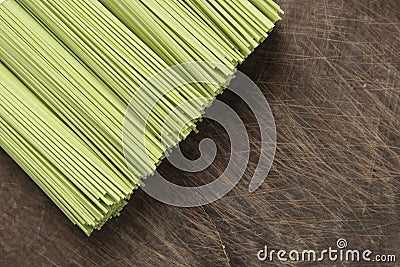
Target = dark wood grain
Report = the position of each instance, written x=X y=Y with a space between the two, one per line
x=331 y=72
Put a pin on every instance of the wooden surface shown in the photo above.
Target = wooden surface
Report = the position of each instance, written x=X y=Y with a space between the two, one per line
x=331 y=72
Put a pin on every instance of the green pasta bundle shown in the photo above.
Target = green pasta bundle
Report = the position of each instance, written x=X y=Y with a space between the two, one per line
x=69 y=70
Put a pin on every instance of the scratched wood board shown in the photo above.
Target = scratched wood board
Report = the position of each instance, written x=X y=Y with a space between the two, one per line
x=331 y=72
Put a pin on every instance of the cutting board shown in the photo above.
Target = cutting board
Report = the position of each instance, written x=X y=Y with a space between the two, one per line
x=331 y=73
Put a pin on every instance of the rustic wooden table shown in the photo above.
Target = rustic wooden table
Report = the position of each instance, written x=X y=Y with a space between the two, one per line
x=331 y=72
